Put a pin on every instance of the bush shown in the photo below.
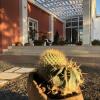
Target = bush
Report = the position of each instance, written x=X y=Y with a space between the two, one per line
x=96 y=42
x=18 y=44
x=38 y=42
x=60 y=43
x=79 y=43
x=27 y=44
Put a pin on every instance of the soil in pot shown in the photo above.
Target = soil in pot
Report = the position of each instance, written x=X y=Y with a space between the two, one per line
x=45 y=86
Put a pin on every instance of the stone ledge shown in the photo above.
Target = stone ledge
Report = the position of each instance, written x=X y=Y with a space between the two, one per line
x=9 y=76
x=25 y=70
x=12 y=70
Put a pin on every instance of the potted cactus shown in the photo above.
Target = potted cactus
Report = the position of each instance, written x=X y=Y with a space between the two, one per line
x=58 y=77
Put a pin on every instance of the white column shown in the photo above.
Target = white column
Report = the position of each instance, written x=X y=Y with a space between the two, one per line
x=23 y=21
x=96 y=29
x=64 y=30
x=93 y=17
x=86 y=22
x=51 y=27
x=78 y=30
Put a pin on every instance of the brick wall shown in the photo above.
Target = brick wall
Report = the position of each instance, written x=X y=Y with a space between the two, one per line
x=41 y=16
x=9 y=22
x=58 y=26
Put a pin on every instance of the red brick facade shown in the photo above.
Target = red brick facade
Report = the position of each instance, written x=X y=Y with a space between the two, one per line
x=9 y=22
x=41 y=16
x=43 y=20
x=58 y=26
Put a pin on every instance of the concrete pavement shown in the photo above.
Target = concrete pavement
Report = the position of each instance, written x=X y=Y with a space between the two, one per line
x=11 y=74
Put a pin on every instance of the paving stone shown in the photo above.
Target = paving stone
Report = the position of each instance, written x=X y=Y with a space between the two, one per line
x=9 y=76
x=25 y=70
x=12 y=69
x=3 y=83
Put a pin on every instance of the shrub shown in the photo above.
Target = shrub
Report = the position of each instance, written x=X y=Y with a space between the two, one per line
x=18 y=44
x=96 y=42
x=79 y=43
x=27 y=44
x=38 y=42
x=61 y=42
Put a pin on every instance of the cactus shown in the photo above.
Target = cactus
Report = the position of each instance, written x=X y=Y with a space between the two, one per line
x=53 y=57
x=63 y=75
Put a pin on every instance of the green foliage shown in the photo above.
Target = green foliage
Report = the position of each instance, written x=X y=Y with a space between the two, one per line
x=38 y=42
x=60 y=43
x=96 y=42
x=27 y=44
x=18 y=44
x=79 y=43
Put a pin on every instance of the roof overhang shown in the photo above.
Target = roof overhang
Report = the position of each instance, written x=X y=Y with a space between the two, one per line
x=45 y=9
x=62 y=8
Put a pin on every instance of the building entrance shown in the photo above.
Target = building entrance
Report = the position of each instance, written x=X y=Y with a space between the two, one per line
x=71 y=35
x=74 y=36
x=74 y=29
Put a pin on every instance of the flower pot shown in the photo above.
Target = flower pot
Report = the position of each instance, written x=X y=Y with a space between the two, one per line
x=33 y=94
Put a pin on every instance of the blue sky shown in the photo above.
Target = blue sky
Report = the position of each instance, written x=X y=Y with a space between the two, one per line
x=98 y=7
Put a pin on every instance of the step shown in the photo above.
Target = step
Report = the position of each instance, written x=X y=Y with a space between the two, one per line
x=34 y=60
x=66 y=49
x=12 y=70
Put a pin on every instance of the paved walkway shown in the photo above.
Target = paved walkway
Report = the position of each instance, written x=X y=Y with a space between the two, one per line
x=11 y=74
x=84 y=55
x=79 y=51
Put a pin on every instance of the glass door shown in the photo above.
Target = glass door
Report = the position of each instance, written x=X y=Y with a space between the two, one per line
x=32 y=29
x=74 y=35
x=68 y=35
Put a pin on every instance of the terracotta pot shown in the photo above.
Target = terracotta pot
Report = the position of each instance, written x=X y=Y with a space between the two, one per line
x=34 y=95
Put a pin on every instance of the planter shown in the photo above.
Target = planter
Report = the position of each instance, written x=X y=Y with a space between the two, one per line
x=96 y=42
x=18 y=44
x=38 y=42
x=33 y=95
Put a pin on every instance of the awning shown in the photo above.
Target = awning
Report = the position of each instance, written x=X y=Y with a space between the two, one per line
x=63 y=8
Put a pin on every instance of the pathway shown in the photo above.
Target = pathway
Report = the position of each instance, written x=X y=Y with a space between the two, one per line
x=11 y=74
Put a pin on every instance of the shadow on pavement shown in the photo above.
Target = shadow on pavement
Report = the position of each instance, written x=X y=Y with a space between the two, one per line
x=90 y=69
x=8 y=95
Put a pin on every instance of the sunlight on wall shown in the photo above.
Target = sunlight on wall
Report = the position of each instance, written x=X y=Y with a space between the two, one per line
x=8 y=28
x=29 y=8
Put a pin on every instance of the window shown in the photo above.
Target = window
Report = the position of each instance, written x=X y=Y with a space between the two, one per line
x=30 y=24
x=74 y=29
x=68 y=20
x=75 y=19
x=33 y=25
x=75 y=23
x=81 y=18
x=81 y=23
x=68 y=24
x=81 y=33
